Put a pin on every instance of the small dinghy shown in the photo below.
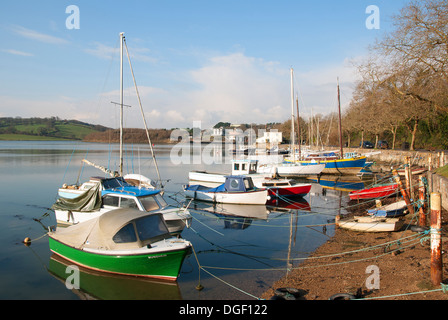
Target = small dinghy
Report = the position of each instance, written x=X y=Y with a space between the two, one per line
x=370 y=224
x=392 y=210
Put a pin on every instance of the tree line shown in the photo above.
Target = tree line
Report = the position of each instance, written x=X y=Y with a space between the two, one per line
x=403 y=91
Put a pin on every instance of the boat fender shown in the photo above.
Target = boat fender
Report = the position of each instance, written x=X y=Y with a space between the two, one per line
x=342 y=296
x=27 y=241
x=286 y=294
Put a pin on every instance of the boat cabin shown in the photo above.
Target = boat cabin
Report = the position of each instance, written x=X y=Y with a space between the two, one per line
x=238 y=184
x=121 y=229
x=242 y=167
x=133 y=198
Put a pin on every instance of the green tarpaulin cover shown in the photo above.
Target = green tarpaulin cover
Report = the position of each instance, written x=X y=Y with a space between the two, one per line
x=88 y=201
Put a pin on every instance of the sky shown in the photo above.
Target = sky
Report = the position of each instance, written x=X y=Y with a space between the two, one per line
x=193 y=60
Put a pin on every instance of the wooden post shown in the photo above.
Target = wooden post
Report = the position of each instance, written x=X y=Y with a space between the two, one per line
x=411 y=188
x=403 y=191
x=429 y=162
x=422 y=198
x=436 y=241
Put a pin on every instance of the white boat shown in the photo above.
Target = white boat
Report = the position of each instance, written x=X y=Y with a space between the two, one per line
x=236 y=189
x=246 y=167
x=113 y=193
x=371 y=224
x=293 y=169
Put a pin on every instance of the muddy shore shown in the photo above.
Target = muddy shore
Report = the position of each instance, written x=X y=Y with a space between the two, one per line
x=341 y=266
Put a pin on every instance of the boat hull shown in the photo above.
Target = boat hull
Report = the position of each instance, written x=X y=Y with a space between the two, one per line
x=293 y=169
x=289 y=191
x=369 y=224
x=249 y=197
x=373 y=193
x=162 y=265
x=344 y=166
x=349 y=166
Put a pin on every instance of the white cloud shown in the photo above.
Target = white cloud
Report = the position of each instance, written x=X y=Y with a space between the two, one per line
x=107 y=52
x=38 y=36
x=18 y=53
x=234 y=88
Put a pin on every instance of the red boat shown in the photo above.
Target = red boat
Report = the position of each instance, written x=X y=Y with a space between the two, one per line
x=285 y=188
x=375 y=192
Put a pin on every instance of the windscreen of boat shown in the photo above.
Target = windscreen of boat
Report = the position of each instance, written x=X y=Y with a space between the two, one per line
x=161 y=201
x=114 y=183
x=151 y=228
x=125 y=234
x=149 y=203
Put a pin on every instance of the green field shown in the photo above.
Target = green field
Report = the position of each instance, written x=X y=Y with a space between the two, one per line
x=45 y=129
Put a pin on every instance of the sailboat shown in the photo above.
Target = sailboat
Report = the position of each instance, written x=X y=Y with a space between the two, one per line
x=349 y=165
x=293 y=168
x=99 y=195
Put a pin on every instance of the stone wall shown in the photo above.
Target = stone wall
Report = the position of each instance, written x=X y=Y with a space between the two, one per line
x=398 y=157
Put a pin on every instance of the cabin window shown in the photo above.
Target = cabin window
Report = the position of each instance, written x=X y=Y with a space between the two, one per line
x=110 y=201
x=128 y=203
x=150 y=227
x=126 y=234
x=243 y=166
x=234 y=184
x=149 y=203
x=247 y=184
x=236 y=166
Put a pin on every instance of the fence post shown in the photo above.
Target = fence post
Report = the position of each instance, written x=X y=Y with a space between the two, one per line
x=422 y=198
x=403 y=191
x=436 y=241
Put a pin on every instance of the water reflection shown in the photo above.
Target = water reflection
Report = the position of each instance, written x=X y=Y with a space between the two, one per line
x=99 y=285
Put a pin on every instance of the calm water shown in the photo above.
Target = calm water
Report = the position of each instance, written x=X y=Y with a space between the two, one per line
x=244 y=253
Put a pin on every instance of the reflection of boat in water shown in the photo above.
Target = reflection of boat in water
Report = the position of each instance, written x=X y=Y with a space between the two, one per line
x=284 y=204
x=234 y=216
x=98 y=285
x=340 y=183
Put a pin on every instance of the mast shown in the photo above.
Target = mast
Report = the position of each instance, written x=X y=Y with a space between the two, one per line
x=292 y=118
x=340 y=122
x=298 y=127
x=121 y=102
x=143 y=116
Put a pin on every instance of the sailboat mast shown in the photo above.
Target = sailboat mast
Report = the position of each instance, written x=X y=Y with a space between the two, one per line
x=340 y=122
x=298 y=128
x=292 y=117
x=121 y=102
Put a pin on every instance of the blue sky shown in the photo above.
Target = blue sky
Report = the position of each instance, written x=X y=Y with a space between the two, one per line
x=194 y=60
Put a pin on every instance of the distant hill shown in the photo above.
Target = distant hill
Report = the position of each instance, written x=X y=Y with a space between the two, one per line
x=45 y=129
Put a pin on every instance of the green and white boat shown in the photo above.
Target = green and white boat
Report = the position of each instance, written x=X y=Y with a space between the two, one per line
x=123 y=241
